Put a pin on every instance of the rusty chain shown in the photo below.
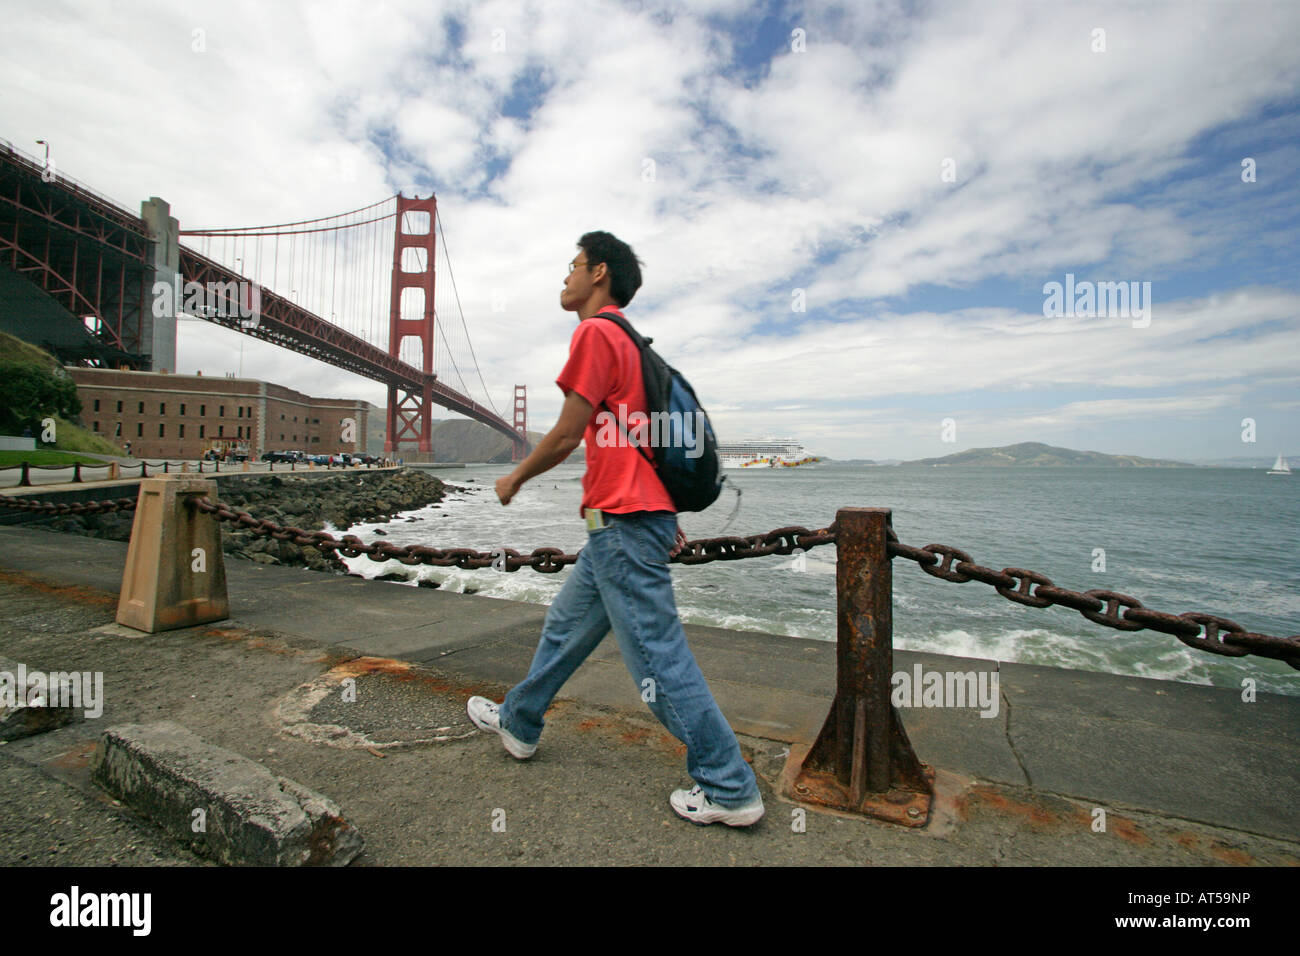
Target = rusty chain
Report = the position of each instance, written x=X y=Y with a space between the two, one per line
x=59 y=508
x=1204 y=632
x=545 y=560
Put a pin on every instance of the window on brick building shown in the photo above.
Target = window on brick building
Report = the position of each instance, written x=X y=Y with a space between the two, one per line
x=96 y=404
x=142 y=408
x=202 y=430
x=162 y=408
x=203 y=410
x=162 y=430
x=182 y=427
x=221 y=411
x=96 y=426
x=241 y=411
x=119 y=430
x=221 y=431
x=182 y=408
x=119 y=406
x=139 y=429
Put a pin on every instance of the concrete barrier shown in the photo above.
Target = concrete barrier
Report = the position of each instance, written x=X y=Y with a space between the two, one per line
x=219 y=803
x=175 y=573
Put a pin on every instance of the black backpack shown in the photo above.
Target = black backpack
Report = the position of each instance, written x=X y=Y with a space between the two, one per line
x=693 y=481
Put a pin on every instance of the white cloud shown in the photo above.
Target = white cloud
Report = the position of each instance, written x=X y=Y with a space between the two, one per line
x=821 y=172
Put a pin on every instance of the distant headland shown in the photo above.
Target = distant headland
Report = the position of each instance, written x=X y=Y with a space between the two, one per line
x=1033 y=454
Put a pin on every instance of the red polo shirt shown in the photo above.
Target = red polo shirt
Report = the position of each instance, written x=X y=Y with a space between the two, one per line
x=605 y=366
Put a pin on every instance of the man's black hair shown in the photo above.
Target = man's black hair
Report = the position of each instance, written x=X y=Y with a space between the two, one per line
x=623 y=265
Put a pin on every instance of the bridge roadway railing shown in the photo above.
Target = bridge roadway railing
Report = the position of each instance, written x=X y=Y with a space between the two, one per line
x=861 y=761
x=104 y=205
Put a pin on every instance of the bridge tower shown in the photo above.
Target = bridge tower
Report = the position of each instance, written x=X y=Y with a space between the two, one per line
x=409 y=411
x=520 y=451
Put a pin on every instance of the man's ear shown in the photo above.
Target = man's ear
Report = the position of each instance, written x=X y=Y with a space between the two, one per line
x=601 y=271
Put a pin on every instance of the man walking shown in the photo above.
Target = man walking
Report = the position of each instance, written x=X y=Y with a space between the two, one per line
x=621 y=579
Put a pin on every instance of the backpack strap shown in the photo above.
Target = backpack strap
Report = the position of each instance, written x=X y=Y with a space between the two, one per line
x=640 y=344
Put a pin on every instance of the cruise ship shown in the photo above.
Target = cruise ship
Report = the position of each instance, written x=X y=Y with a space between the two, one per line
x=763 y=453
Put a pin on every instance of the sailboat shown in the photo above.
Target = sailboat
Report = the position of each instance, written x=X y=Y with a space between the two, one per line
x=1280 y=467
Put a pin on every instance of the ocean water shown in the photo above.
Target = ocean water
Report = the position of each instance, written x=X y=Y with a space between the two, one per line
x=1217 y=540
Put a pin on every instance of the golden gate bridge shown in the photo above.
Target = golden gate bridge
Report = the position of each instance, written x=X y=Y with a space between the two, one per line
x=359 y=290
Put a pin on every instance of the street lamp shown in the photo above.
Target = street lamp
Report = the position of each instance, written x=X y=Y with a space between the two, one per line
x=47 y=171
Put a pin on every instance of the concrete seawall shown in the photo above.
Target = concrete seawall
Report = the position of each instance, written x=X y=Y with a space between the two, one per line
x=1183 y=774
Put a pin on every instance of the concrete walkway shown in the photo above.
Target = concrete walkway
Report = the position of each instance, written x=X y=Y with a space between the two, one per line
x=1186 y=775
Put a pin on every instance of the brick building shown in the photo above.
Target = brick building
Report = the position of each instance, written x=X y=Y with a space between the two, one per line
x=179 y=416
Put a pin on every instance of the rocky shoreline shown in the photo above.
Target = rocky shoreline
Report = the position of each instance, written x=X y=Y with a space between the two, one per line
x=306 y=501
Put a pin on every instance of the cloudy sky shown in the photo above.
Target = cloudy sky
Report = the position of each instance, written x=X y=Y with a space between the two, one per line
x=848 y=214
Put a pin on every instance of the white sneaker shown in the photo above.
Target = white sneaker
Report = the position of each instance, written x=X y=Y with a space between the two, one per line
x=487 y=716
x=693 y=805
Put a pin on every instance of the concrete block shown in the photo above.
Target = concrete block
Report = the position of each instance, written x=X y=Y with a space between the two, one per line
x=220 y=803
x=175 y=575
x=26 y=697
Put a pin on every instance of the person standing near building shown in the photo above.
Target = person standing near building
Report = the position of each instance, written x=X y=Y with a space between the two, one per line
x=621 y=579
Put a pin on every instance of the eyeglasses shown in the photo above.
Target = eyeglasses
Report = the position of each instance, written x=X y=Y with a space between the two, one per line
x=574 y=264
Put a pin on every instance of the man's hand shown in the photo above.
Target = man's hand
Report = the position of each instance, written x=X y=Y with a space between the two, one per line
x=679 y=543
x=507 y=488
x=554 y=448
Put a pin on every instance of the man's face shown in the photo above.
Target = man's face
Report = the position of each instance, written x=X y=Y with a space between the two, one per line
x=580 y=282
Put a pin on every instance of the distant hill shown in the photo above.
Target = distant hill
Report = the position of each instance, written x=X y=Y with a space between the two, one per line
x=1032 y=454
x=460 y=439
x=453 y=439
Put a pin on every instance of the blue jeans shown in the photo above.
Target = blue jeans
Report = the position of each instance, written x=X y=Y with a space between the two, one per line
x=622 y=579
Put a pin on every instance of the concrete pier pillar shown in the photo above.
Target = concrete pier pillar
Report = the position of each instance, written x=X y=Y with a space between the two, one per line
x=159 y=331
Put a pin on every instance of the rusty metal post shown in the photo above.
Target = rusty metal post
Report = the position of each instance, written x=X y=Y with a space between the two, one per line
x=862 y=761
x=76 y=472
x=26 y=479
